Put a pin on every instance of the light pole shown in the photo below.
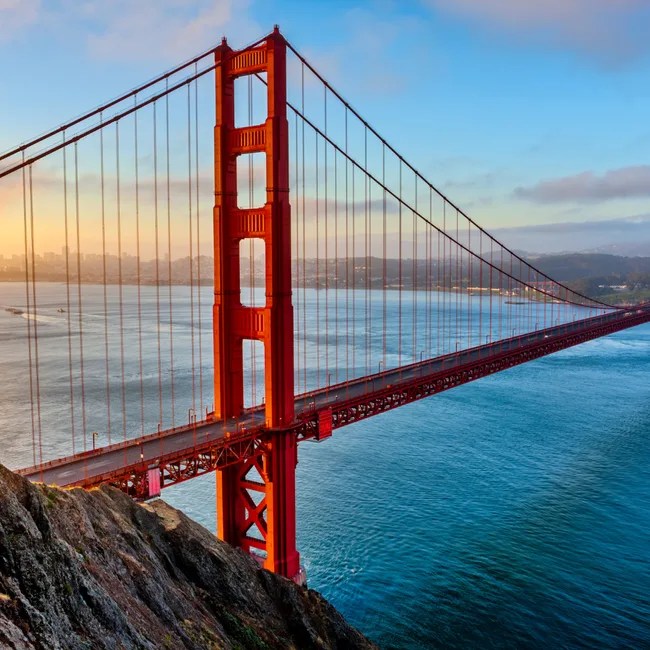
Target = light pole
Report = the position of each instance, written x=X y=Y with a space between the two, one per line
x=95 y=434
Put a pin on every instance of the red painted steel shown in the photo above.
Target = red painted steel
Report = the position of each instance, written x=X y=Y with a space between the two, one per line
x=274 y=516
x=153 y=483
x=239 y=448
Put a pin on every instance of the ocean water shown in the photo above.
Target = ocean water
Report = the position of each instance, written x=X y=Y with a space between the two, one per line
x=513 y=512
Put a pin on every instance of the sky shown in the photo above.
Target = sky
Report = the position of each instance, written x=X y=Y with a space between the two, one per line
x=532 y=115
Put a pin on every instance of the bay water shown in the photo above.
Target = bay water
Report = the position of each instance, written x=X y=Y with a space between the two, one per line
x=513 y=512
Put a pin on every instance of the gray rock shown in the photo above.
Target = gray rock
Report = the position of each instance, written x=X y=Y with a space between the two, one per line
x=95 y=570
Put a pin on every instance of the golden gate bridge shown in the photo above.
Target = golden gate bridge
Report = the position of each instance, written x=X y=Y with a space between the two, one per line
x=344 y=285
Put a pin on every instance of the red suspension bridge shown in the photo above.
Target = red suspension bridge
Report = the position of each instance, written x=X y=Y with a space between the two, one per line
x=344 y=285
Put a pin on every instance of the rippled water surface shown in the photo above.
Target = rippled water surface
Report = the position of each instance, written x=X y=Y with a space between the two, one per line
x=510 y=513
x=513 y=512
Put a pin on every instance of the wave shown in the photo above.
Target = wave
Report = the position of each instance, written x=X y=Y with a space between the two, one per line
x=42 y=319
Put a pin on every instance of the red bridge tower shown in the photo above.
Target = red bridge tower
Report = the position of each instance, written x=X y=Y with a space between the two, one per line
x=240 y=513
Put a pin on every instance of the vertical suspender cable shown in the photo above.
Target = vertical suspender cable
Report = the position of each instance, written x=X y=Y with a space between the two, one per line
x=366 y=238
x=169 y=264
x=429 y=281
x=399 y=273
x=327 y=234
x=190 y=225
x=444 y=280
x=304 y=241
x=67 y=290
x=28 y=321
x=458 y=256
x=298 y=329
x=438 y=349
x=105 y=283
x=317 y=271
x=336 y=266
x=465 y=274
x=354 y=276
x=198 y=231
x=480 y=284
x=36 y=358
x=119 y=274
x=369 y=269
x=491 y=283
x=414 y=288
x=384 y=255
x=137 y=259
x=347 y=257
x=81 y=334
x=157 y=252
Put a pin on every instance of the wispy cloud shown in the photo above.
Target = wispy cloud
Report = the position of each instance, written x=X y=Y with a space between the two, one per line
x=610 y=30
x=629 y=233
x=587 y=187
x=155 y=29
x=15 y=15
x=131 y=30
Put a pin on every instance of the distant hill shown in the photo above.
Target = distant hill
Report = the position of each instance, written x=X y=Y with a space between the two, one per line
x=575 y=266
x=597 y=275
x=626 y=249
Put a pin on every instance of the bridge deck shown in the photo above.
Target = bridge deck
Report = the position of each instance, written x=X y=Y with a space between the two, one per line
x=110 y=463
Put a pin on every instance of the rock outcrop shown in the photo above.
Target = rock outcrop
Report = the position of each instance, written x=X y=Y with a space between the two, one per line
x=95 y=570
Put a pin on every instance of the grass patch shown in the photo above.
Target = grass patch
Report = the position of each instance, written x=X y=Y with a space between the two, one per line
x=244 y=636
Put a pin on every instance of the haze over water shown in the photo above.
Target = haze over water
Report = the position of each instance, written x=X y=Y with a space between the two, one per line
x=513 y=512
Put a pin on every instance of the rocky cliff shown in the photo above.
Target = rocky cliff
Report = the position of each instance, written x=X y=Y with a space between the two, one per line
x=96 y=570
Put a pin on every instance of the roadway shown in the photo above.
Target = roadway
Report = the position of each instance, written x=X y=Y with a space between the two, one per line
x=150 y=449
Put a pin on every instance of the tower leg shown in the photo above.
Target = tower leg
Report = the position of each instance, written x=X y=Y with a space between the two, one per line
x=280 y=477
x=256 y=505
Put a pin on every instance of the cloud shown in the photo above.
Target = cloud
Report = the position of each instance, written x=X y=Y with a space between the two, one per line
x=623 y=183
x=15 y=15
x=129 y=30
x=628 y=236
x=610 y=30
x=154 y=29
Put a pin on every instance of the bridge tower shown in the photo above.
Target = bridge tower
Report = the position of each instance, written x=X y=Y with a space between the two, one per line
x=254 y=513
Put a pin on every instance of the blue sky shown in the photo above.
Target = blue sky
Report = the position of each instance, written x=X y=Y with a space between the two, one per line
x=525 y=112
